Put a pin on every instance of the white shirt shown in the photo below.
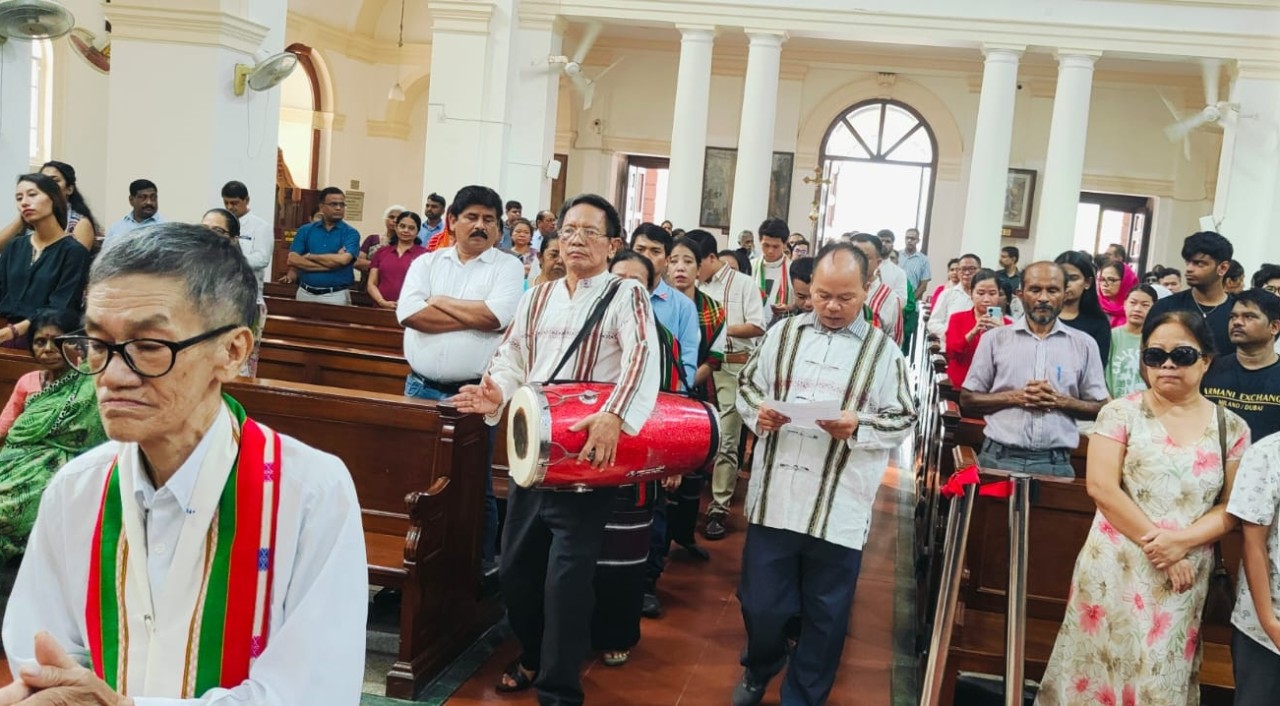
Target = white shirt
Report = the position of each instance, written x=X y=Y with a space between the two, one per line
x=257 y=242
x=622 y=350
x=798 y=482
x=493 y=277
x=1255 y=498
x=315 y=653
x=895 y=277
x=951 y=300
x=740 y=296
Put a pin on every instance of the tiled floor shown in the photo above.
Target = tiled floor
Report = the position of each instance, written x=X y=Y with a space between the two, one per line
x=690 y=655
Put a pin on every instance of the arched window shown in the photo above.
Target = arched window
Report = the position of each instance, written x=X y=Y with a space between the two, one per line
x=300 y=102
x=879 y=160
x=41 y=137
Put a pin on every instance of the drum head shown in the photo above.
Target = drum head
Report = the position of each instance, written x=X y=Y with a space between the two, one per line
x=528 y=432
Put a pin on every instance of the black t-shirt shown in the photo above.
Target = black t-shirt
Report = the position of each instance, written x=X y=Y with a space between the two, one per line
x=1252 y=394
x=55 y=281
x=1098 y=328
x=1218 y=317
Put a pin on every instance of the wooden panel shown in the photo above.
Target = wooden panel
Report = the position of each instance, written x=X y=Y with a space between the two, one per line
x=347 y=368
x=329 y=333
x=365 y=316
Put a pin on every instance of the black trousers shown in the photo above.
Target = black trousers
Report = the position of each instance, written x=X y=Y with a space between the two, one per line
x=786 y=573
x=550 y=546
x=619 y=598
x=1256 y=670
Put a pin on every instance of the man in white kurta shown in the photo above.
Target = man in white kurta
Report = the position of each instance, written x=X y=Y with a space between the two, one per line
x=132 y=637
x=552 y=540
x=812 y=486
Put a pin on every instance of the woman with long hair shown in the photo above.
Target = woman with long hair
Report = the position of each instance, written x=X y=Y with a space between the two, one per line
x=1080 y=308
x=1131 y=633
x=1115 y=281
x=965 y=328
x=44 y=267
x=80 y=221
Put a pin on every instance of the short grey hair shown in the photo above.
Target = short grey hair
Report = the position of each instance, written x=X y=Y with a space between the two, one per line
x=393 y=209
x=219 y=282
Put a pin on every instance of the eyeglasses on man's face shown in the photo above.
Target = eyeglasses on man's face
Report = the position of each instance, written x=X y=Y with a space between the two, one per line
x=571 y=232
x=148 y=357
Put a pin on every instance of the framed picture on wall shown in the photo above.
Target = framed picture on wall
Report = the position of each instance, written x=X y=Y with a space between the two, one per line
x=717 y=186
x=1019 y=199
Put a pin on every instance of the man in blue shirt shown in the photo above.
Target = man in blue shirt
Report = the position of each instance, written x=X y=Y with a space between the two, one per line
x=322 y=257
x=915 y=263
x=674 y=311
x=432 y=218
x=145 y=200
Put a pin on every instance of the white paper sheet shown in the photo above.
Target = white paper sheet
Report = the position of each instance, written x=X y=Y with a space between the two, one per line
x=806 y=414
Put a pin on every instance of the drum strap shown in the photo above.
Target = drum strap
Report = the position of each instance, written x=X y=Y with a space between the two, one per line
x=596 y=315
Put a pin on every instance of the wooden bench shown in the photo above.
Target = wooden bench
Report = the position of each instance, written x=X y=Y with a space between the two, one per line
x=422 y=503
x=359 y=297
x=337 y=366
x=364 y=316
x=332 y=333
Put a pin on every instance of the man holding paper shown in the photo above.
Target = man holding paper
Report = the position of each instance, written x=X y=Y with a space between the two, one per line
x=812 y=485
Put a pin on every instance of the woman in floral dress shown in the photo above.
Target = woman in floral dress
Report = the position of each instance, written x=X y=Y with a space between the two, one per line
x=1131 y=634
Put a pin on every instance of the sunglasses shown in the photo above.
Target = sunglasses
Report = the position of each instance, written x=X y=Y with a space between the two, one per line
x=1182 y=356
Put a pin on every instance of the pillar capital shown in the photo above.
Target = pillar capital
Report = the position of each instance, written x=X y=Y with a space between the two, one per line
x=204 y=25
x=766 y=37
x=697 y=33
x=1077 y=58
x=1262 y=70
x=994 y=52
x=461 y=16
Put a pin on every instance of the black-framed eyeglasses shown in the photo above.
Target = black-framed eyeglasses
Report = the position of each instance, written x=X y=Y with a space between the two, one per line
x=1182 y=356
x=148 y=357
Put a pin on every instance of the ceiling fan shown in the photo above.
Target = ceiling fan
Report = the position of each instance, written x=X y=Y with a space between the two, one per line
x=34 y=19
x=572 y=68
x=1214 y=112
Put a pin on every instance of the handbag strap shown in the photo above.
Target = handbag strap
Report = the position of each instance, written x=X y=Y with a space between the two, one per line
x=1218 y=563
x=596 y=315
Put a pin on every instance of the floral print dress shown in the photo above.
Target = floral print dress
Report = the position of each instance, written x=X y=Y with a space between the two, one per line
x=1127 y=639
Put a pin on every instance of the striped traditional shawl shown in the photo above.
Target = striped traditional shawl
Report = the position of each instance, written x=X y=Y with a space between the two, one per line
x=216 y=643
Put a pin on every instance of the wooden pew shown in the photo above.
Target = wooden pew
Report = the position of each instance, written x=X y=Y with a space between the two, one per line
x=359 y=297
x=1059 y=523
x=364 y=316
x=422 y=503
x=336 y=366
x=333 y=333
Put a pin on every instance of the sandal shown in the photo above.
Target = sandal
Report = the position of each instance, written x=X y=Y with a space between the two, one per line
x=520 y=678
x=615 y=658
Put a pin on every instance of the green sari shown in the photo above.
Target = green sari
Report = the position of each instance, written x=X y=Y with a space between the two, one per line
x=58 y=423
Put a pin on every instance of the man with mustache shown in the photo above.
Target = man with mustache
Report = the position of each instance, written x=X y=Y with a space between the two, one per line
x=1248 y=381
x=454 y=306
x=1032 y=380
x=144 y=199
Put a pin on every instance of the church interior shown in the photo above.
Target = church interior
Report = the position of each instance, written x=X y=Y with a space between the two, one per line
x=1047 y=125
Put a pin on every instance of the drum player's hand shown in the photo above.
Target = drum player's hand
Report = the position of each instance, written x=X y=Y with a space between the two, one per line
x=484 y=398
x=770 y=420
x=603 y=429
x=840 y=429
x=671 y=483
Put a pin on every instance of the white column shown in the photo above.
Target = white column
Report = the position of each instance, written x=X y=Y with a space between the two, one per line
x=192 y=135
x=989 y=165
x=467 y=129
x=531 y=112
x=1246 y=205
x=689 y=127
x=1064 y=163
x=755 y=136
x=15 y=111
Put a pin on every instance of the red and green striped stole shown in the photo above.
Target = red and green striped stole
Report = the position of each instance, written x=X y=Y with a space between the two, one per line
x=784 y=282
x=711 y=319
x=234 y=609
x=669 y=361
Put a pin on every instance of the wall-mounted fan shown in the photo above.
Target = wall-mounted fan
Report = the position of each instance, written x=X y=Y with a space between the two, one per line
x=571 y=67
x=1214 y=112
x=34 y=19
x=95 y=49
x=266 y=73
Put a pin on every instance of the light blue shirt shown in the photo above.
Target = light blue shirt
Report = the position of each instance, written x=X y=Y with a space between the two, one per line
x=427 y=231
x=127 y=224
x=677 y=314
x=916 y=265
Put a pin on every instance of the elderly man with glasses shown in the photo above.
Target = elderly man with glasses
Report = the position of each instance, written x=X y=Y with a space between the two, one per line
x=198 y=556
x=552 y=540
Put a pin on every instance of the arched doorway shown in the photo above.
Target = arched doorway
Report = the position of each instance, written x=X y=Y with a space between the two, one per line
x=300 y=102
x=879 y=160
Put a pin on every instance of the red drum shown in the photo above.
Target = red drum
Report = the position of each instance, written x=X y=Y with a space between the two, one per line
x=681 y=436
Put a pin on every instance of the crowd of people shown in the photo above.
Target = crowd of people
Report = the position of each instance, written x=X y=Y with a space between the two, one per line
x=1171 y=384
